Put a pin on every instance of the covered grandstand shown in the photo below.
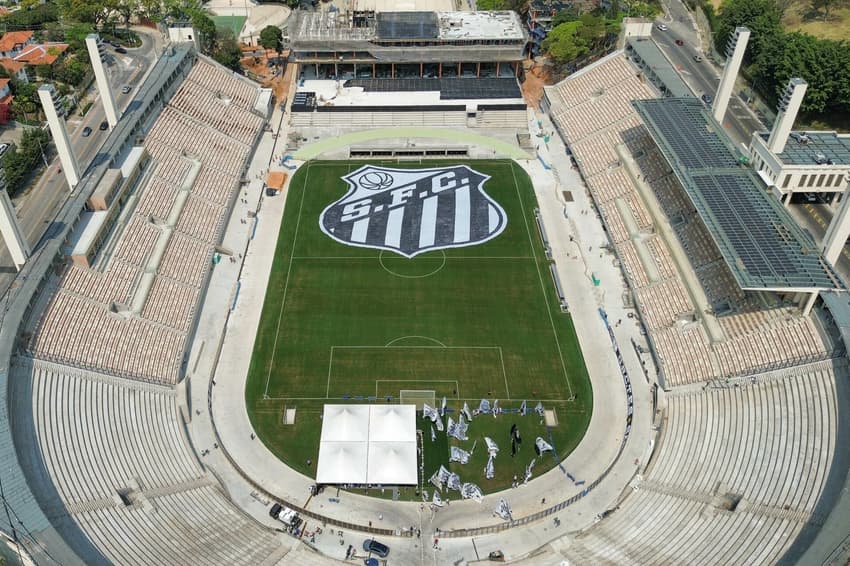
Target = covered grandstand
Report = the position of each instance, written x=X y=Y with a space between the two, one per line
x=761 y=244
x=708 y=257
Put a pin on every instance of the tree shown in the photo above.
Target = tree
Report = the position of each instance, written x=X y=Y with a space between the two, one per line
x=271 y=37
x=592 y=30
x=126 y=9
x=19 y=163
x=227 y=50
x=95 y=12
x=568 y=14
x=761 y=16
x=563 y=42
x=206 y=29
x=71 y=71
x=24 y=104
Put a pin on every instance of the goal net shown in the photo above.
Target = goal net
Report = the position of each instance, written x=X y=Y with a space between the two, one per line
x=417 y=397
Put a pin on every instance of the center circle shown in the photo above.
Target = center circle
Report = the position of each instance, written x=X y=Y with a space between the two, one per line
x=418 y=267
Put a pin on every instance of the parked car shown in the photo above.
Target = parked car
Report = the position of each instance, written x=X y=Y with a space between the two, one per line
x=103 y=126
x=120 y=50
x=679 y=42
x=114 y=44
x=286 y=516
x=707 y=98
x=125 y=89
x=698 y=58
x=86 y=132
x=375 y=547
x=661 y=27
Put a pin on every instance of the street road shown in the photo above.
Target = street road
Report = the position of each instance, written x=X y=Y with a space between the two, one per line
x=43 y=201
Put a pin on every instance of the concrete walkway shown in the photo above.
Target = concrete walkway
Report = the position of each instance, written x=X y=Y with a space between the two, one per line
x=577 y=241
x=501 y=148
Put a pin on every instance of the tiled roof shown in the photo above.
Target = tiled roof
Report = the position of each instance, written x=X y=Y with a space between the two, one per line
x=44 y=54
x=13 y=38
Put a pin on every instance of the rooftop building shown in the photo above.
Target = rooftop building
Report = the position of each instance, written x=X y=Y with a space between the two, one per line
x=376 y=43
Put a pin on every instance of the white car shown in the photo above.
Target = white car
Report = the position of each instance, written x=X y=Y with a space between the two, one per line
x=661 y=27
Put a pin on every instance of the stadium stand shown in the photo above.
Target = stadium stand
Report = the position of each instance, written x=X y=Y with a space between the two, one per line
x=177 y=221
x=590 y=110
x=111 y=465
x=737 y=474
x=114 y=453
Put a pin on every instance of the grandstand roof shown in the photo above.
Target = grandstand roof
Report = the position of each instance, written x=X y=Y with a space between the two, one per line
x=800 y=150
x=653 y=58
x=759 y=241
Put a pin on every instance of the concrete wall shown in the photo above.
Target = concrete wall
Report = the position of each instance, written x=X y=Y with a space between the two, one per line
x=515 y=119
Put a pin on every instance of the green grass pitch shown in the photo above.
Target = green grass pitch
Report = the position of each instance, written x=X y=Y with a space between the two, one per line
x=342 y=322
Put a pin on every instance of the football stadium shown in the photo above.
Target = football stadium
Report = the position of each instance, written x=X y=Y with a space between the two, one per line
x=436 y=325
x=404 y=315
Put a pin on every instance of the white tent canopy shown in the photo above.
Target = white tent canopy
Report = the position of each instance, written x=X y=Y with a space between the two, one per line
x=345 y=423
x=389 y=463
x=392 y=423
x=342 y=462
x=368 y=444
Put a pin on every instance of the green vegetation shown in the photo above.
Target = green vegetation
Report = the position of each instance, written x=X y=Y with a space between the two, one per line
x=271 y=37
x=31 y=16
x=775 y=56
x=19 y=163
x=575 y=35
x=468 y=323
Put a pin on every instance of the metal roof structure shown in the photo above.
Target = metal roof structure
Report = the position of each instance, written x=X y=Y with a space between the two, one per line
x=646 y=54
x=803 y=148
x=759 y=241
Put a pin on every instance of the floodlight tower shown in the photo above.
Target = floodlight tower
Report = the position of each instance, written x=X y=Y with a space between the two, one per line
x=70 y=166
x=10 y=228
x=734 y=56
x=95 y=47
x=788 y=108
x=836 y=235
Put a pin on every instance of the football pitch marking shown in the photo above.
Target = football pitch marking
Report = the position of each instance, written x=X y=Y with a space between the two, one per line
x=434 y=340
x=456 y=382
x=542 y=285
x=286 y=285
x=424 y=275
x=441 y=347
x=293 y=257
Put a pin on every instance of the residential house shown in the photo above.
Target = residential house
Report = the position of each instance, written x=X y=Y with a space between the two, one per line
x=15 y=69
x=13 y=42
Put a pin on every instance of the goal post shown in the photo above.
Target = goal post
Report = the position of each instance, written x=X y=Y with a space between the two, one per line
x=417 y=397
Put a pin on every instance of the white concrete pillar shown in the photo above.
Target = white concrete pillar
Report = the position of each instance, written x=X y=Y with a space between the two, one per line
x=13 y=236
x=60 y=136
x=788 y=108
x=94 y=46
x=734 y=56
x=836 y=235
x=810 y=302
